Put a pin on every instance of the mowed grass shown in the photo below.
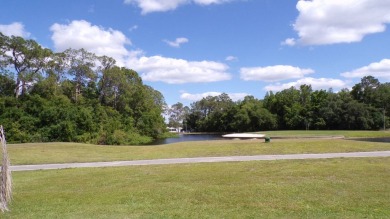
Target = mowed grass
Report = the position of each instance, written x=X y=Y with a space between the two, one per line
x=40 y=153
x=329 y=188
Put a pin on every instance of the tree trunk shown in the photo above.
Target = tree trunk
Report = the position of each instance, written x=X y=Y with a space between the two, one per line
x=17 y=86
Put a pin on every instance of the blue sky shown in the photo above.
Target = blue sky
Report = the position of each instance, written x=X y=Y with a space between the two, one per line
x=188 y=49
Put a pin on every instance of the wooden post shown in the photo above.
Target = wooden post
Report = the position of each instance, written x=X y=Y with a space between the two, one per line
x=6 y=178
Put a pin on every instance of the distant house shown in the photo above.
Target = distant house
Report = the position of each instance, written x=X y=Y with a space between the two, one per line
x=175 y=130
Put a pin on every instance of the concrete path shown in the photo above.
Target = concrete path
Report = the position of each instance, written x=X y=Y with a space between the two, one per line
x=201 y=160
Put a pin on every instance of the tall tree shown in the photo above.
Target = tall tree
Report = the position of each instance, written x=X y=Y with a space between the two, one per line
x=306 y=103
x=3 y=49
x=365 y=91
x=319 y=100
x=7 y=85
x=252 y=116
x=384 y=101
x=176 y=115
x=27 y=58
x=109 y=86
x=80 y=64
x=106 y=63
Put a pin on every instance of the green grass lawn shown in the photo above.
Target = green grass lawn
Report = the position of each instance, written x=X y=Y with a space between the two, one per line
x=38 y=153
x=329 y=188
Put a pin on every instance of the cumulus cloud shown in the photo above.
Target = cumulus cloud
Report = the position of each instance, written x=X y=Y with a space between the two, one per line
x=82 y=34
x=197 y=97
x=148 y=6
x=179 y=71
x=289 y=42
x=177 y=43
x=14 y=29
x=322 y=22
x=316 y=84
x=209 y=2
x=273 y=73
x=231 y=58
x=377 y=69
x=109 y=42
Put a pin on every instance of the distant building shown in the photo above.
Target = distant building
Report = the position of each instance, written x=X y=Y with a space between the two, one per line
x=175 y=130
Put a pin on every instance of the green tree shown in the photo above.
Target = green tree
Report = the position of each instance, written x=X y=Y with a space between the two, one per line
x=176 y=115
x=7 y=85
x=80 y=64
x=365 y=91
x=3 y=49
x=287 y=108
x=27 y=58
x=306 y=103
x=384 y=102
x=319 y=100
x=252 y=116
x=74 y=96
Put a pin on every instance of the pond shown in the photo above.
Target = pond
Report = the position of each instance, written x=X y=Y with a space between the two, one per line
x=382 y=140
x=188 y=137
x=208 y=137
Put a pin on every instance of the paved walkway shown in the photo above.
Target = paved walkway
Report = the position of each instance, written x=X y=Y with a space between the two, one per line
x=201 y=160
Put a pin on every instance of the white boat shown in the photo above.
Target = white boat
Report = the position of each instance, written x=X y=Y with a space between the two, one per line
x=244 y=135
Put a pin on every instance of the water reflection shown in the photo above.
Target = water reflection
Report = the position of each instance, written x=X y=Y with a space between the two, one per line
x=382 y=140
x=209 y=137
x=188 y=137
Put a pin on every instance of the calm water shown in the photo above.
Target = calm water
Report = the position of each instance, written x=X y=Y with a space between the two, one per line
x=183 y=137
x=208 y=137
x=383 y=140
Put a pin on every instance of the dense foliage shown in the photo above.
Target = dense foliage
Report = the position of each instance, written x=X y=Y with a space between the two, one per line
x=73 y=96
x=221 y=114
x=78 y=96
x=365 y=107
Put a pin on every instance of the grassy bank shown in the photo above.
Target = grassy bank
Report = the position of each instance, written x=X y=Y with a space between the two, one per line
x=38 y=153
x=347 y=134
x=332 y=188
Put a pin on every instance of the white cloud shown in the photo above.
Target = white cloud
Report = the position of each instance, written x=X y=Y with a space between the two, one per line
x=377 y=69
x=197 y=97
x=177 y=43
x=322 y=22
x=316 y=84
x=179 y=71
x=14 y=29
x=109 y=42
x=273 y=73
x=289 y=42
x=231 y=58
x=148 y=6
x=81 y=34
x=209 y=2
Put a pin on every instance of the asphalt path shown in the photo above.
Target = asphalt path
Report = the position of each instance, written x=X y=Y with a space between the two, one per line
x=201 y=160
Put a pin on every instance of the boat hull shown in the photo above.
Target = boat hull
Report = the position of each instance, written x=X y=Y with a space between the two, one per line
x=244 y=135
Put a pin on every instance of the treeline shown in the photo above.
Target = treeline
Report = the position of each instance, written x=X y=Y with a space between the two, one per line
x=80 y=97
x=365 y=107
x=73 y=96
